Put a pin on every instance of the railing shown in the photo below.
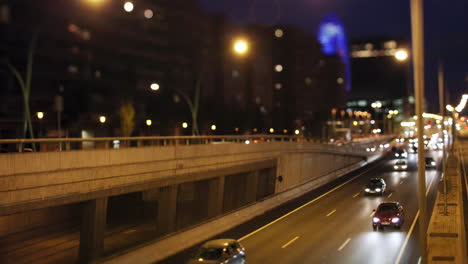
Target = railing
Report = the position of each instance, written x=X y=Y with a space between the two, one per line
x=68 y=144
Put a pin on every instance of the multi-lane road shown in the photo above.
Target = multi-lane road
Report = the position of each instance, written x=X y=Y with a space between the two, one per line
x=333 y=224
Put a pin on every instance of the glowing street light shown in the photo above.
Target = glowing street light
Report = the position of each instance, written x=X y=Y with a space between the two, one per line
x=272 y=130
x=148 y=13
x=149 y=122
x=128 y=6
x=184 y=125
x=102 y=119
x=450 y=108
x=240 y=47
x=296 y=131
x=213 y=127
x=154 y=86
x=401 y=55
x=40 y=115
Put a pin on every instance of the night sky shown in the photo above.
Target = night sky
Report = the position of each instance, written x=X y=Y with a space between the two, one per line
x=446 y=27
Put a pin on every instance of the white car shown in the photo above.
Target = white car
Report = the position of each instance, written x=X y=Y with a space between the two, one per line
x=400 y=165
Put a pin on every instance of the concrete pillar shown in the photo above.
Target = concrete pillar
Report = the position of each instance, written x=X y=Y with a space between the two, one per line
x=167 y=209
x=251 y=187
x=93 y=228
x=215 y=196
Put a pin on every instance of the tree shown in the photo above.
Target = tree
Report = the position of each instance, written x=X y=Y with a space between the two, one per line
x=193 y=105
x=127 y=118
x=25 y=85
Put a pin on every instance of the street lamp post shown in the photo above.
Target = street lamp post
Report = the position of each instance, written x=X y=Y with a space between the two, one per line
x=418 y=67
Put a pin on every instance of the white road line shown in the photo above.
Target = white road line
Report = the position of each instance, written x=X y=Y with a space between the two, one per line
x=401 y=182
x=330 y=213
x=390 y=195
x=290 y=242
x=371 y=215
x=402 y=249
x=344 y=244
x=354 y=196
x=306 y=204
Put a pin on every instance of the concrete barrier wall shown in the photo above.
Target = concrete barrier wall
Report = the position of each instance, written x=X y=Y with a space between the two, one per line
x=32 y=177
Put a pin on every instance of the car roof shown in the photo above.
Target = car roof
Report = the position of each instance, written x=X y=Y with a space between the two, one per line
x=375 y=179
x=218 y=243
x=389 y=203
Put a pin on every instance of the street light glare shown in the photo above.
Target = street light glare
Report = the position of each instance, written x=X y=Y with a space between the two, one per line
x=213 y=127
x=184 y=125
x=149 y=122
x=154 y=86
x=128 y=7
x=296 y=131
x=40 y=115
x=401 y=55
x=148 y=13
x=102 y=119
x=240 y=47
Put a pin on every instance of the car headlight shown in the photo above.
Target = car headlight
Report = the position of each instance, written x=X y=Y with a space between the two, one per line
x=367 y=190
x=367 y=149
x=395 y=220
x=395 y=167
x=378 y=189
x=375 y=220
x=397 y=155
x=404 y=166
x=433 y=163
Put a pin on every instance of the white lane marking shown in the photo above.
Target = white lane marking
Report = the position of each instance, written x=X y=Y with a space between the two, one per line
x=402 y=249
x=330 y=213
x=354 y=196
x=290 y=242
x=306 y=204
x=401 y=182
x=371 y=215
x=344 y=244
x=390 y=195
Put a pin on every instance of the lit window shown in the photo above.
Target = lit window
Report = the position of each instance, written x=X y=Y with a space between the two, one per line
x=279 y=33
x=278 y=86
x=235 y=73
x=308 y=81
x=4 y=13
x=86 y=35
x=148 y=13
x=340 y=80
x=128 y=7
x=278 y=68
x=97 y=74
x=73 y=28
x=390 y=44
x=369 y=46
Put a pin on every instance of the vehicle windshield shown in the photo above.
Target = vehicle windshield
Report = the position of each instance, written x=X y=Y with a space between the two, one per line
x=387 y=208
x=374 y=183
x=429 y=159
x=210 y=253
x=401 y=163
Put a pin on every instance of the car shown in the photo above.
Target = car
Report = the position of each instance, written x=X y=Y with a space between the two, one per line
x=401 y=154
x=400 y=165
x=371 y=149
x=389 y=214
x=430 y=163
x=384 y=146
x=225 y=251
x=375 y=186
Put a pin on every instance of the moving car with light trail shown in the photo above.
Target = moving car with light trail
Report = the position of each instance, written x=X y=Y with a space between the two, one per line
x=401 y=154
x=389 y=214
x=375 y=186
x=430 y=163
x=220 y=251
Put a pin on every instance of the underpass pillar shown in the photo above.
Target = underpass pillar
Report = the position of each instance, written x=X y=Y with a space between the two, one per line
x=93 y=227
x=251 y=187
x=167 y=209
x=216 y=196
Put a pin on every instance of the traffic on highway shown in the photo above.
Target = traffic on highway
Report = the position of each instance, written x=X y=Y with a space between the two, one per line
x=369 y=217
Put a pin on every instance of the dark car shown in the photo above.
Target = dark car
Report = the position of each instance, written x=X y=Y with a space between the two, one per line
x=401 y=154
x=375 y=186
x=225 y=251
x=430 y=163
x=388 y=214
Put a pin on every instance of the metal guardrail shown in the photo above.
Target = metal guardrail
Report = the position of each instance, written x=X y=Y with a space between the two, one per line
x=68 y=144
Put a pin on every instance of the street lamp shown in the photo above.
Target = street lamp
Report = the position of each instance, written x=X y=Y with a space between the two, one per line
x=296 y=131
x=128 y=6
x=213 y=127
x=401 y=55
x=40 y=115
x=272 y=130
x=154 y=86
x=149 y=122
x=184 y=125
x=241 y=47
x=102 y=119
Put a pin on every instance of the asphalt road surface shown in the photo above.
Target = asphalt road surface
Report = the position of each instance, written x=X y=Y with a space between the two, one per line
x=333 y=224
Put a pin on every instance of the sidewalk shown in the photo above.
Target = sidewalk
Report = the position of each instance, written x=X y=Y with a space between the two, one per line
x=446 y=232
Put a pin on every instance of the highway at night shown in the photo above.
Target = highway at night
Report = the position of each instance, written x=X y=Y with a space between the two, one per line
x=333 y=225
